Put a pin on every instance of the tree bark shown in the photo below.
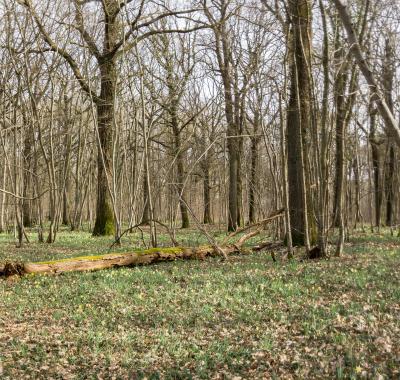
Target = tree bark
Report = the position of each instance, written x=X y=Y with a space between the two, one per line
x=207 y=219
x=388 y=76
x=375 y=155
x=146 y=202
x=104 y=223
x=298 y=116
x=27 y=179
x=340 y=130
x=179 y=154
x=254 y=180
x=140 y=257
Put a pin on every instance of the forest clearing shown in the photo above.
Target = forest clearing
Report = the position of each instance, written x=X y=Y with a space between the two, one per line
x=199 y=189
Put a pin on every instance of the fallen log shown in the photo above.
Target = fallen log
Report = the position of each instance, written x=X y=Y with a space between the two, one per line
x=138 y=257
x=112 y=260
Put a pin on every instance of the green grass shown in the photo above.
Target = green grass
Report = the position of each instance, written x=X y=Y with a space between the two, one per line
x=246 y=317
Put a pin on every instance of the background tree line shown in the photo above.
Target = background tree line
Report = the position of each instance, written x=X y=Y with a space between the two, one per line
x=118 y=113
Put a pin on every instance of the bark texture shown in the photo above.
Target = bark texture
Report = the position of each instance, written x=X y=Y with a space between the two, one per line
x=298 y=115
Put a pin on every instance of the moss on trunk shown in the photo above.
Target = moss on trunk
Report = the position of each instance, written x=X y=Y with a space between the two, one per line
x=104 y=222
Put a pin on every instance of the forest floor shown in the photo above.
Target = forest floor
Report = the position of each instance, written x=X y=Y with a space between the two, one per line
x=245 y=318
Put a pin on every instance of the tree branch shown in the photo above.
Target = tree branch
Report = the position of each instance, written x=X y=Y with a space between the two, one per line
x=62 y=52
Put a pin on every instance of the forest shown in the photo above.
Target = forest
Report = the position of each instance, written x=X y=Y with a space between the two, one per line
x=199 y=189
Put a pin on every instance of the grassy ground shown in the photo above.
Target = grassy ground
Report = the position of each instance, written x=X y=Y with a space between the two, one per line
x=245 y=318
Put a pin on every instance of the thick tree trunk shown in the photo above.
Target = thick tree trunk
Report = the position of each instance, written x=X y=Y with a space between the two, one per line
x=104 y=224
x=298 y=116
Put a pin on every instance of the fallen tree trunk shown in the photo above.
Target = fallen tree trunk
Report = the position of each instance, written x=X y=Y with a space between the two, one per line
x=112 y=260
x=139 y=257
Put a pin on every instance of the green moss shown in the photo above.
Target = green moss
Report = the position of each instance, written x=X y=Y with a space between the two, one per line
x=166 y=250
x=102 y=257
x=104 y=225
x=80 y=258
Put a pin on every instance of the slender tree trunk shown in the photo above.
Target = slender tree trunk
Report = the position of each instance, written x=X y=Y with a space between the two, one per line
x=388 y=76
x=3 y=197
x=375 y=155
x=357 y=183
x=340 y=131
x=207 y=219
x=389 y=184
x=224 y=57
x=180 y=173
x=146 y=203
x=254 y=181
x=355 y=48
x=233 y=172
x=239 y=183
x=239 y=121
x=65 y=208
x=285 y=183
x=27 y=185
x=323 y=158
x=65 y=175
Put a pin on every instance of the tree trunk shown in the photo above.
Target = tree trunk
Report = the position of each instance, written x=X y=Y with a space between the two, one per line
x=104 y=224
x=298 y=116
x=357 y=183
x=207 y=219
x=254 y=183
x=375 y=166
x=388 y=76
x=146 y=202
x=340 y=131
x=65 y=208
x=3 y=197
x=239 y=182
x=27 y=183
x=180 y=173
x=233 y=172
x=389 y=184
